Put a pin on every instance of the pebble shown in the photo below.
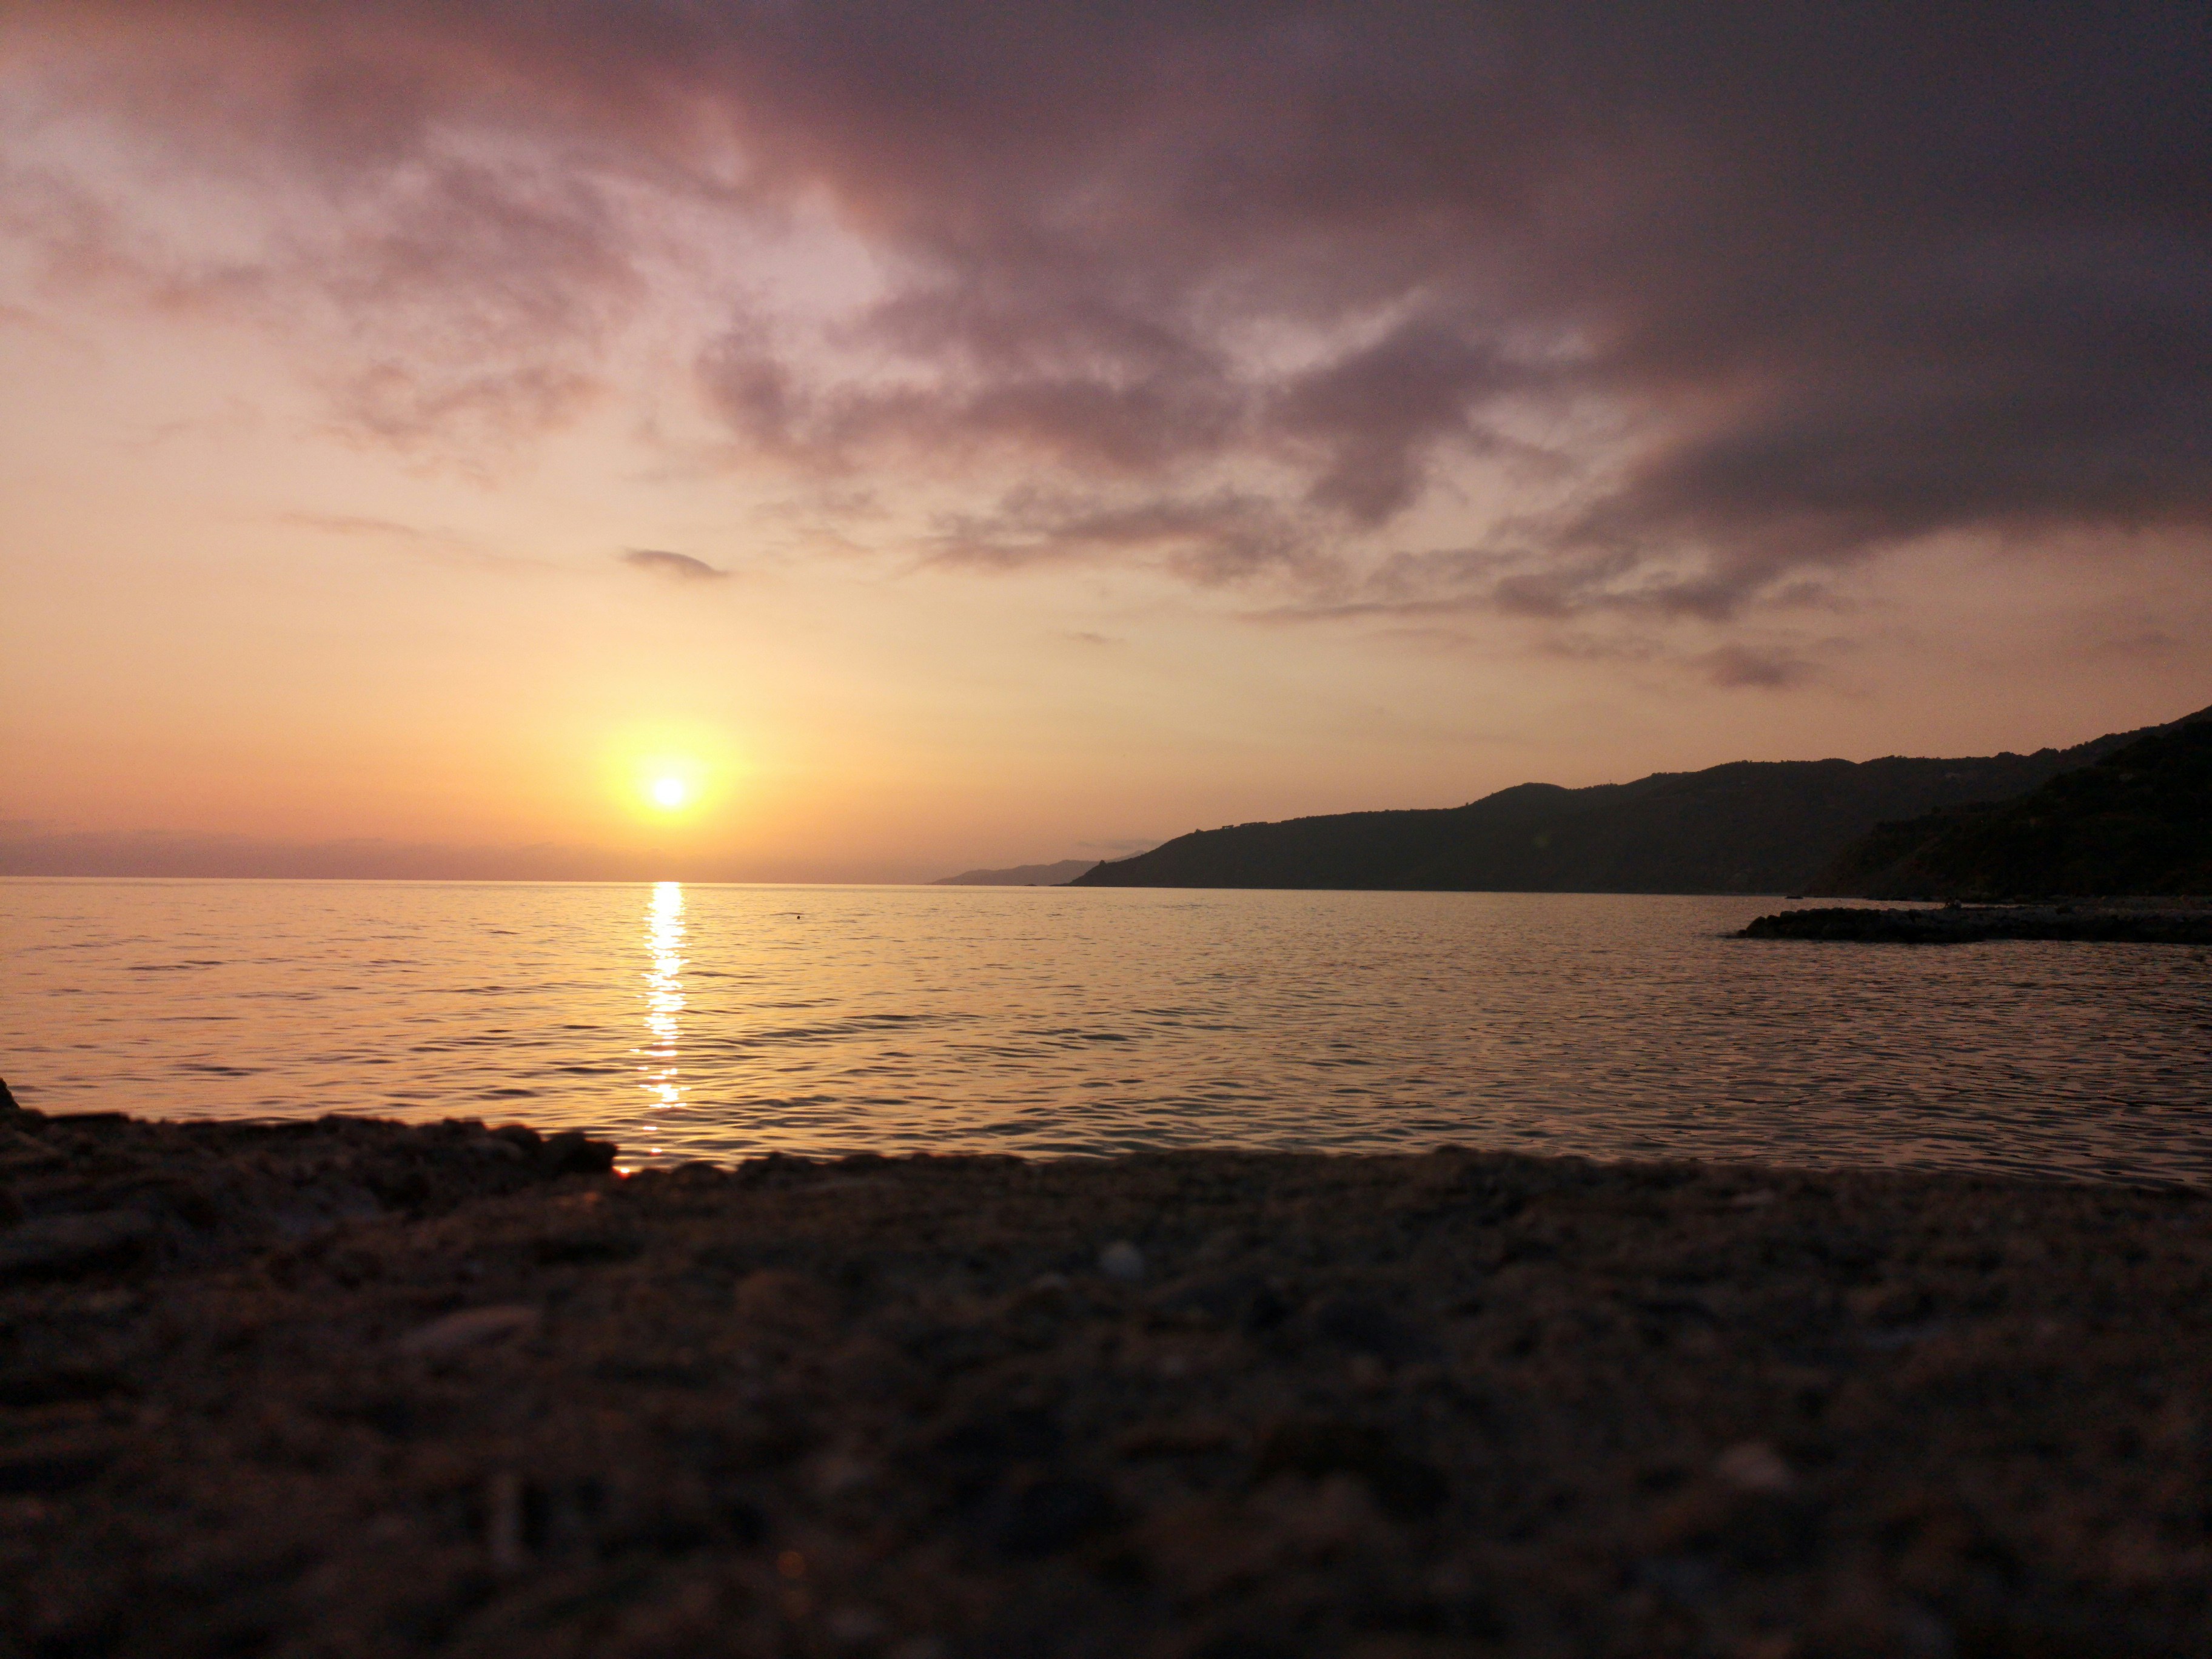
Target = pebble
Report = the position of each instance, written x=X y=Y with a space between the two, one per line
x=466 y=1329
x=853 y=1627
x=20 y=1151
x=1755 y=1467
x=1123 y=1260
x=54 y=1467
x=571 y=1152
x=55 y=1241
x=503 y=1523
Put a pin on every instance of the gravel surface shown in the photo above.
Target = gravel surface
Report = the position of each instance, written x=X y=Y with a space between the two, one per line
x=352 y=1388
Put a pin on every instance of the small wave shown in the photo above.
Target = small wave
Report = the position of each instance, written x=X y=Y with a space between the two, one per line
x=1605 y=1027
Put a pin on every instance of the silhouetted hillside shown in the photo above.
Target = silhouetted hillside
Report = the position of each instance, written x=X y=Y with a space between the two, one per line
x=1021 y=875
x=2138 y=821
x=1746 y=827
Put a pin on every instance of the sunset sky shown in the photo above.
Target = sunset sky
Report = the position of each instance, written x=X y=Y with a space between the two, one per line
x=929 y=436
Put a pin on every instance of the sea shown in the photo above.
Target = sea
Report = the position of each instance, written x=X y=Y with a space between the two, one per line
x=720 y=1021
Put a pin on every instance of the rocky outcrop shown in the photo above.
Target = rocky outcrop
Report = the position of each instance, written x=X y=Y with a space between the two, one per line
x=1965 y=924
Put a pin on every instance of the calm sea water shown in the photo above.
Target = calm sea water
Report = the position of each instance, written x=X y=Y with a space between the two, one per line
x=720 y=1022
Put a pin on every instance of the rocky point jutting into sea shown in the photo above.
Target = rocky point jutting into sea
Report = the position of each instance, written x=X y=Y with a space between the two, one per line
x=350 y=1386
x=2153 y=921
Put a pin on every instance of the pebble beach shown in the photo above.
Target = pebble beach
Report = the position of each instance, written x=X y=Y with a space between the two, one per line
x=354 y=1388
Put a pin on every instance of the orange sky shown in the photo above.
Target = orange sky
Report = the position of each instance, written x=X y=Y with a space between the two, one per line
x=342 y=375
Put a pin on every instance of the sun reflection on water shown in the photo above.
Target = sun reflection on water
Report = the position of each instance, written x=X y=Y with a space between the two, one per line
x=663 y=995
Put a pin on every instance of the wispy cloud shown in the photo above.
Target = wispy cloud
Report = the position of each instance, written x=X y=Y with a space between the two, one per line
x=1214 y=540
x=677 y=567
x=439 y=546
x=1736 y=666
x=349 y=524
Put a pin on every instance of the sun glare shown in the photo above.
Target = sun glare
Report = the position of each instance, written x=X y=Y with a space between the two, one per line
x=662 y=779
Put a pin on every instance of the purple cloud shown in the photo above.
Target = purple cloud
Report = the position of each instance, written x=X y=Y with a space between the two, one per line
x=1756 y=292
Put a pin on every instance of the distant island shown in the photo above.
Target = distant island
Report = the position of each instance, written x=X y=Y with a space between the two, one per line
x=1022 y=875
x=1746 y=827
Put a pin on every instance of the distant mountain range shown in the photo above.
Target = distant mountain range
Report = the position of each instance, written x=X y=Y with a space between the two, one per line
x=1022 y=875
x=1746 y=827
x=2137 y=821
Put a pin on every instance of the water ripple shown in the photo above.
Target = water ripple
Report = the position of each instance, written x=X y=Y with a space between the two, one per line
x=720 y=1022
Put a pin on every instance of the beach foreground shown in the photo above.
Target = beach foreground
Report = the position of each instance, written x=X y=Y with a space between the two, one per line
x=350 y=1388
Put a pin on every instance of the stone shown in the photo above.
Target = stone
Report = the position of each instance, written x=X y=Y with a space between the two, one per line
x=70 y=1243
x=468 y=1328
x=40 y=1469
x=572 y=1152
x=20 y=1151
x=1050 y=1514
x=1122 y=1261
x=1405 y=1488
x=503 y=1523
x=1362 y=1328
x=1755 y=1467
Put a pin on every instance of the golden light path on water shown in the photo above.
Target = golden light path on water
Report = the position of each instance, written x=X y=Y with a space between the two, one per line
x=721 y=1023
x=661 y=1076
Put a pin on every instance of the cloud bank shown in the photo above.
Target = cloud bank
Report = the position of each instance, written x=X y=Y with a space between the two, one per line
x=1552 y=311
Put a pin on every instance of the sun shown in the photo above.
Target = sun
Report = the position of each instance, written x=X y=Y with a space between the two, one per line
x=667 y=785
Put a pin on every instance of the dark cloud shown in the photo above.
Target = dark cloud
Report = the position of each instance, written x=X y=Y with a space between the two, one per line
x=679 y=567
x=1749 y=291
x=1210 y=540
x=2152 y=643
x=1735 y=666
x=1373 y=415
x=956 y=408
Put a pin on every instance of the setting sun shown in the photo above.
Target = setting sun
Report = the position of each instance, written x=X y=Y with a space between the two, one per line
x=670 y=780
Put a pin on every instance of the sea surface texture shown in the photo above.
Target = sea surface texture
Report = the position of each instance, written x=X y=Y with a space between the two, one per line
x=722 y=1022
